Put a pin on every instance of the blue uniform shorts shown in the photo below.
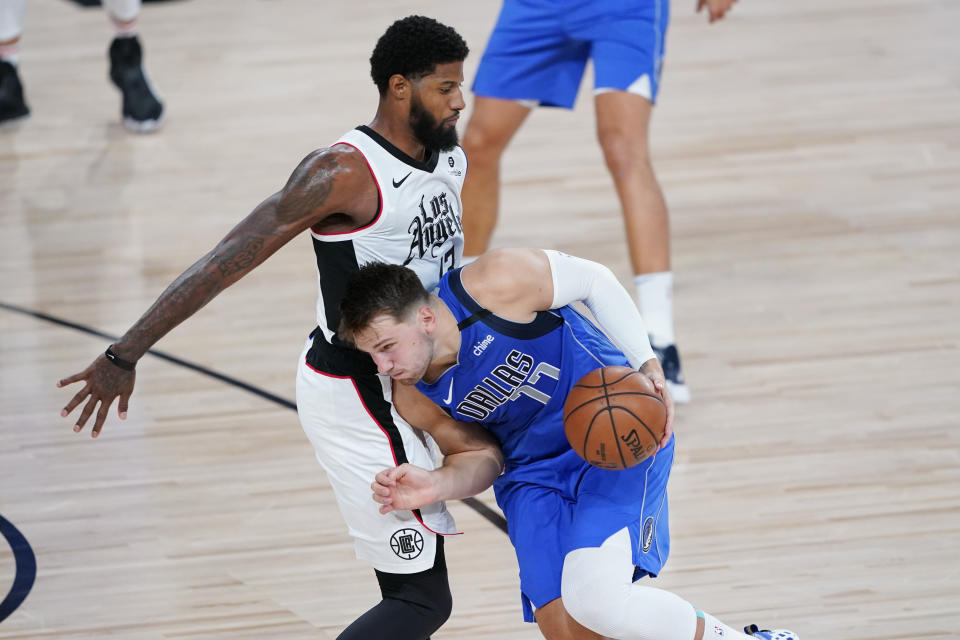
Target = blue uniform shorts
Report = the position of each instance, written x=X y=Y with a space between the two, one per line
x=545 y=523
x=539 y=48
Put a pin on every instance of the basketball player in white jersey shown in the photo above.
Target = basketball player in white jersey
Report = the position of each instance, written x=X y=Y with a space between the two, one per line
x=389 y=192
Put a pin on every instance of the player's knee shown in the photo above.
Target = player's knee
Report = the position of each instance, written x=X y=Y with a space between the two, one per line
x=437 y=610
x=621 y=152
x=484 y=143
x=592 y=600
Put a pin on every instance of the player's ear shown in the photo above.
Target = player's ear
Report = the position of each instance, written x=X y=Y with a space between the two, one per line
x=399 y=86
x=428 y=318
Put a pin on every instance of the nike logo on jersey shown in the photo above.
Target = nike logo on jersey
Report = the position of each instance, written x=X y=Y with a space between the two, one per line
x=449 y=393
x=397 y=183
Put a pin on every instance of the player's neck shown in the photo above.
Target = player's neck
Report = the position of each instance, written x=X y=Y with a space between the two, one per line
x=447 y=342
x=397 y=132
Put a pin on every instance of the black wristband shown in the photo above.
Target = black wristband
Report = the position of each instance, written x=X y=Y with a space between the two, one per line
x=117 y=360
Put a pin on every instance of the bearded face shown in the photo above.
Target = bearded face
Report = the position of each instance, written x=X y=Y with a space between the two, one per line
x=438 y=136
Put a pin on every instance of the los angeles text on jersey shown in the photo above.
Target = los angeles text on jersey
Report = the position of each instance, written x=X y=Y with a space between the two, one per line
x=507 y=381
x=429 y=231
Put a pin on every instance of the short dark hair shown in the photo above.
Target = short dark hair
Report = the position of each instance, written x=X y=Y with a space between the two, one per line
x=379 y=289
x=413 y=47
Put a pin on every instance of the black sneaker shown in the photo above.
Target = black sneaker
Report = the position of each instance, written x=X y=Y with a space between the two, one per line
x=670 y=361
x=142 y=109
x=12 y=105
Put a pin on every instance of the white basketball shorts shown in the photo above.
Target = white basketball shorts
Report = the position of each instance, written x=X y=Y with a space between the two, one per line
x=356 y=433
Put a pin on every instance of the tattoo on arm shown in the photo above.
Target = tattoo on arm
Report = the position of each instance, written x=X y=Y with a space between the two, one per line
x=309 y=186
x=242 y=259
x=266 y=229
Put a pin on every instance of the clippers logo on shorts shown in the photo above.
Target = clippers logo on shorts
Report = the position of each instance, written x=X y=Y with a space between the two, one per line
x=407 y=543
x=430 y=230
x=647 y=534
x=506 y=382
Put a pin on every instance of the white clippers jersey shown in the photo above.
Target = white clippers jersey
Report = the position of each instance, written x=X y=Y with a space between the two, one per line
x=417 y=225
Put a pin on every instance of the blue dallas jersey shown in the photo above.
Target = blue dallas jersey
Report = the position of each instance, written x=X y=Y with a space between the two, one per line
x=514 y=378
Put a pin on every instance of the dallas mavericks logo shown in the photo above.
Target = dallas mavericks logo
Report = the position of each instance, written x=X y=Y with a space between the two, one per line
x=407 y=543
x=647 y=537
x=432 y=228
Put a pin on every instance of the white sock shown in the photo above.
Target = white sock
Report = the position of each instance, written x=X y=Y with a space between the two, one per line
x=713 y=629
x=123 y=10
x=655 y=299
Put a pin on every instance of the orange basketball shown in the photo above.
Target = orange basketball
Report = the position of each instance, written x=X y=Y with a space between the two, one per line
x=614 y=417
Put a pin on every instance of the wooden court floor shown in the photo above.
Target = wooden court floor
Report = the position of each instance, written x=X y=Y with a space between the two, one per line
x=810 y=155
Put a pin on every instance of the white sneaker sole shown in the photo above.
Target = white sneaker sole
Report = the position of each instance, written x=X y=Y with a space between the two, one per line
x=142 y=126
x=679 y=392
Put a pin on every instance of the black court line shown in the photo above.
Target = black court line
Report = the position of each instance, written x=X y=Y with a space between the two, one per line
x=26 y=568
x=283 y=402
x=492 y=516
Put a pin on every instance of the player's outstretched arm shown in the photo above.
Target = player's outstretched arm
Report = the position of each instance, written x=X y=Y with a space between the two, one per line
x=472 y=458
x=326 y=182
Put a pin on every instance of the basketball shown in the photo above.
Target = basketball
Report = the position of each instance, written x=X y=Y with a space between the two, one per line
x=614 y=417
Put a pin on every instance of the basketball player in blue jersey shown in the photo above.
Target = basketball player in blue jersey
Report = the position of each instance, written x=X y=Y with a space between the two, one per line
x=536 y=57
x=390 y=192
x=498 y=343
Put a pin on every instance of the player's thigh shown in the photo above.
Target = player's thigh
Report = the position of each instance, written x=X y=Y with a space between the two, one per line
x=537 y=521
x=635 y=499
x=356 y=433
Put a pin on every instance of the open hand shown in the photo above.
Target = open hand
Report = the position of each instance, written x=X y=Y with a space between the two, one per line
x=104 y=382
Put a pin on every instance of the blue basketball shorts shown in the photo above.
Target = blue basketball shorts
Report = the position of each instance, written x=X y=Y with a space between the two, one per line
x=539 y=49
x=545 y=523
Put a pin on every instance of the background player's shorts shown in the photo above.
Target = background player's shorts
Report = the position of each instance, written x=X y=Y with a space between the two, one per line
x=356 y=433
x=539 y=48
x=545 y=524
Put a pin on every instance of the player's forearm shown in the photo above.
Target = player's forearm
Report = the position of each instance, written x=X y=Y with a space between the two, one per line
x=467 y=474
x=245 y=247
x=186 y=295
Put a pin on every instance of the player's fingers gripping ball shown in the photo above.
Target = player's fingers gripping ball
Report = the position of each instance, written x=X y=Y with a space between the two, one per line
x=614 y=417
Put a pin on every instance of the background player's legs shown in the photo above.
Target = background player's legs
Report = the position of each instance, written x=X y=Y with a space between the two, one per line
x=623 y=120
x=12 y=104
x=599 y=592
x=141 y=109
x=556 y=624
x=490 y=129
x=414 y=605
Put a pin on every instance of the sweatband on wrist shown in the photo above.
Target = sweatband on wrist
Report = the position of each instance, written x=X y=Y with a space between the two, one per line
x=118 y=361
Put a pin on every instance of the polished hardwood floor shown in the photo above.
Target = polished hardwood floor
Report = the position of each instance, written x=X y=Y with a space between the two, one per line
x=810 y=154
